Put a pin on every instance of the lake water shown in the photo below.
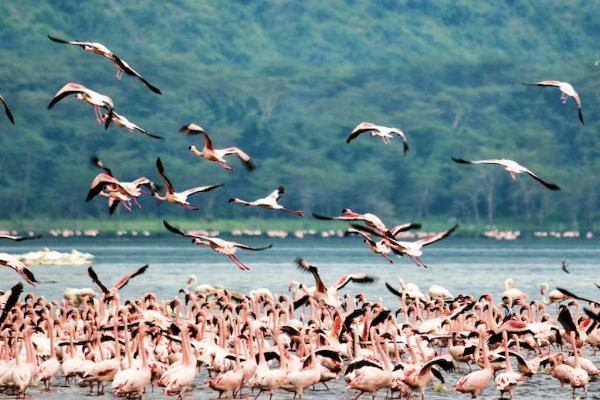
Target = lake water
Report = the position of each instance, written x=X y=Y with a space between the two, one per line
x=462 y=266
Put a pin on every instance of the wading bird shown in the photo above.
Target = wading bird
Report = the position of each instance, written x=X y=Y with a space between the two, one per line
x=113 y=291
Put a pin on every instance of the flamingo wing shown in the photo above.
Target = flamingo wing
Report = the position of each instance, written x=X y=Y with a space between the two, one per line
x=95 y=161
x=161 y=172
x=356 y=278
x=125 y=280
x=15 y=292
x=403 y=228
x=249 y=248
x=314 y=270
x=200 y=189
x=7 y=110
x=549 y=185
x=359 y=129
x=68 y=89
x=92 y=274
x=243 y=156
x=132 y=72
x=179 y=232
x=544 y=83
x=404 y=139
x=437 y=237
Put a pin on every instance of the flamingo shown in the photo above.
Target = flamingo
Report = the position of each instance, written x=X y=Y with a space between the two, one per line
x=221 y=246
x=566 y=91
x=100 y=49
x=171 y=196
x=95 y=99
x=476 y=381
x=329 y=295
x=376 y=247
x=133 y=380
x=554 y=296
x=7 y=110
x=578 y=377
x=508 y=380
x=47 y=370
x=512 y=167
x=179 y=377
x=383 y=132
x=113 y=291
x=414 y=250
x=123 y=122
x=370 y=220
x=7 y=260
x=230 y=381
x=269 y=202
x=511 y=292
x=216 y=155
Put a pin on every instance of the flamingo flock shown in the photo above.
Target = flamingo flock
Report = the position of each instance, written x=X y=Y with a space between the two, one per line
x=216 y=340
x=301 y=342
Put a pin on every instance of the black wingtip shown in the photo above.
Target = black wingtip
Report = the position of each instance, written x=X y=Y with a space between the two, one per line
x=281 y=189
x=581 y=116
x=460 y=160
x=250 y=166
x=109 y=117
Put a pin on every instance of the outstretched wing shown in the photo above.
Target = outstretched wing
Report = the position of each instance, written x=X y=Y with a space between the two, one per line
x=356 y=278
x=161 y=172
x=130 y=71
x=246 y=247
x=308 y=267
x=69 y=89
x=200 y=189
x=360 y=129
x=180 y=232
x=7 y=111
x=403 y=228
x=125 y=280
x=543 y=83
x=549 y=185
x=15 y=292
x=95 y=161
x=400 y=133
x=96 y=280
x=437 y=237
x=276 y=194
x=243 y=156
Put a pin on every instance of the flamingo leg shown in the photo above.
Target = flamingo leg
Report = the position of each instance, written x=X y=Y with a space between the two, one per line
x=226 y=166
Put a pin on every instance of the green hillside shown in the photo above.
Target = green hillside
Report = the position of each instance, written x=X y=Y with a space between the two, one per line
x=286 y=81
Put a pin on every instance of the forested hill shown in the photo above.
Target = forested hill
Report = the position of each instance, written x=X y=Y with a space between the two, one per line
x=286 y=81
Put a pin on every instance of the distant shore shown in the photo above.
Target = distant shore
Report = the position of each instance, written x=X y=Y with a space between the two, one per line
x=305 y=227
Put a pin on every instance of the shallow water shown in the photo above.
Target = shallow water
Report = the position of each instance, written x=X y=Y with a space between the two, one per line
x=462 y=266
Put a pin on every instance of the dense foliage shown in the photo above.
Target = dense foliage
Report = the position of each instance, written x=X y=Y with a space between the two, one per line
x=286 y=81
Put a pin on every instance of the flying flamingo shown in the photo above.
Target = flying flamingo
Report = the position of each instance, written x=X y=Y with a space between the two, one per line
x=566 y=91
x=513 y=169
x=123 y=122
x=376 y=247
x=269 y=201
x=95 y=99
x=100 y=49
x=216 y=155
x=221 y=246
x=329 y=295
x=7 y=260
x=383 y=132
x=371 y=220
x=7 y=110
x=414 y=250
x=113 y=291
x=171 y=196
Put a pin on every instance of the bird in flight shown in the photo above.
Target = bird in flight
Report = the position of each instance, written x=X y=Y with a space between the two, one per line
x=269 y=201
x=216 y=155
x=7 y=110
x=123 y=122
x=95 y=99
x=100 y=49
x=171 y=196
x=385 y=133
x=513 y=169
x=566 y=91
x=564 y=265
x=110 y=293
